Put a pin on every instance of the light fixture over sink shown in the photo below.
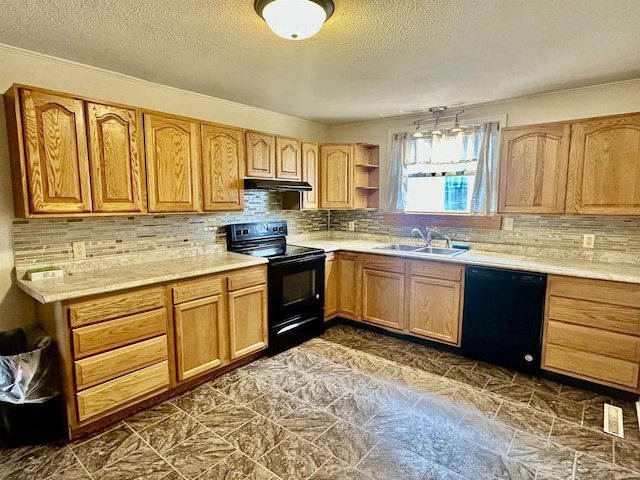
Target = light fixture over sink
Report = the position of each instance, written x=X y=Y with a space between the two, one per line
x=294 y=19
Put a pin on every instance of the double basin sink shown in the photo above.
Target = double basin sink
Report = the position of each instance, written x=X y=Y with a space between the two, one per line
x=445 y=252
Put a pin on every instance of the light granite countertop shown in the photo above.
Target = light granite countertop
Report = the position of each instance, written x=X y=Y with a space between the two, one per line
x=104 y=280
x=558 y=266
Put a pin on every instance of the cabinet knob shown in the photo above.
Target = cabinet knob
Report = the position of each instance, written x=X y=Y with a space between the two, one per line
x=528 y=357
x=317 y=296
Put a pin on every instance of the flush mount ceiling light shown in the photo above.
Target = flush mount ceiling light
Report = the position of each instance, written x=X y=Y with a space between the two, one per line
x=294 y=19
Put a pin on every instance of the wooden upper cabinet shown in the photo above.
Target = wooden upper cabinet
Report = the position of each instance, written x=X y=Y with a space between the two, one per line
x=533 y=169
x=114 y=155
x=261 y=155
x=604 y=166
x=55 y=149
x=173 y=157
x=288 y=159
x=222 y=164
x=310 y=175
x=336 y=170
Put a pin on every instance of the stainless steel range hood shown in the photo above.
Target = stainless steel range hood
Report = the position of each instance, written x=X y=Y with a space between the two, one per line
x=276 y=185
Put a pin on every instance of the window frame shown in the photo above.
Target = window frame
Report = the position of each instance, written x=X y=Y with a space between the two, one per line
x=446 y=219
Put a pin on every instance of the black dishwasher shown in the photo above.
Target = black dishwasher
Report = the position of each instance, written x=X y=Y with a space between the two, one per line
x=502 y=317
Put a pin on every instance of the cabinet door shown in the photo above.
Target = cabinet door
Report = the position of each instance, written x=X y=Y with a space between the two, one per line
x=248 y=321
x=336 y=170
x=55 y=147
x=200 y=333
x=383 y=298
x=222 y=163
x=261 y=155
x=330 y=286
x=288 y=159
x=349 y=285
x=310 y=175
x=533 y=169
x=114 y=157
x=604 y=166
x=173 y=158
x=434 y=309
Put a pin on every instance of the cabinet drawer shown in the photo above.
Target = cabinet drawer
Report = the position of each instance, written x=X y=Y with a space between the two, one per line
x=383 y=263
x=618 y=318
x=113 y=306
x=247 y=278
x=437 y=270
x=117 y=333
x=107 y=366
x=625 y=347
x=603 y=291
x=196 y=289
x=591 y=366
x=122 y=390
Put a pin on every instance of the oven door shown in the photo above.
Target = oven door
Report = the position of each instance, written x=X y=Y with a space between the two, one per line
x=296 y=301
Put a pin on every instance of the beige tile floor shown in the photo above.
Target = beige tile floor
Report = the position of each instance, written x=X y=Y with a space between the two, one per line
x=354 y=405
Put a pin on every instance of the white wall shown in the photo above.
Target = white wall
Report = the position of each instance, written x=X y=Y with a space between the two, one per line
x=20 y=66
x=595 y=101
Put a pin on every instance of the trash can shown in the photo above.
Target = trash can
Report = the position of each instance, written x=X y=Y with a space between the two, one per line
x=30 y=404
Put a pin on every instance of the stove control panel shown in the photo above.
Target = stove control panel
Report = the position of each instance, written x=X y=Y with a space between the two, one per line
x=256 y=230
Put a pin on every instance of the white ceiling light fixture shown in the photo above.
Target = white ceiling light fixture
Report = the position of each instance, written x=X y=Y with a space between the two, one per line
x=294 y=19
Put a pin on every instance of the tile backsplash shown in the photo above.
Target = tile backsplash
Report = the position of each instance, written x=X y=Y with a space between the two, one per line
x=617 y=238
x=109 y=240
x=48 y=241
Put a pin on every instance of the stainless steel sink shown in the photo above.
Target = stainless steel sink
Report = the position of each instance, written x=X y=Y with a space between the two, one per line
x=399 y=248
x=449 y=252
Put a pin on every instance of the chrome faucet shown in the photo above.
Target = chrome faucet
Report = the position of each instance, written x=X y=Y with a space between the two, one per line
x=427 y=239
x=447 y=238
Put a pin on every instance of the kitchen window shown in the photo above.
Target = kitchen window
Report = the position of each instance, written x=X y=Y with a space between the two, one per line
x=445 y=174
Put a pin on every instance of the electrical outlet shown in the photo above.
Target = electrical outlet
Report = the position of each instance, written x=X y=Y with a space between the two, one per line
x=589 y=240
x=507 y=223
x=78 y=250
x=351 y=226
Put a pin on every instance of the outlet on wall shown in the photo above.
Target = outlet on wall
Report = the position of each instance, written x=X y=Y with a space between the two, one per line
x=507 y=223
x=589 y=240
x=351 y=226
x=78 y=250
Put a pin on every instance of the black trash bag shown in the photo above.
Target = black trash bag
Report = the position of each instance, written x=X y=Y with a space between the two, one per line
x=28 y=371
x=31 y=408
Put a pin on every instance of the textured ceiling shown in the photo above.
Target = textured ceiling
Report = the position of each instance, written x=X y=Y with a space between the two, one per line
x=372 y=58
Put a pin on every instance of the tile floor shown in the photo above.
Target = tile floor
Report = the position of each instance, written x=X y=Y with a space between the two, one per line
x=354 y=405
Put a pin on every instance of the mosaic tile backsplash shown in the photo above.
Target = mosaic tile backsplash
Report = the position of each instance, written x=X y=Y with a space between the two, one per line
x=49 y=241
x=617 y=238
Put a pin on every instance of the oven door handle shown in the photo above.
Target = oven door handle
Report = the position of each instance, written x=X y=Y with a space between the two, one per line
x=291 y=326
x=299 y=261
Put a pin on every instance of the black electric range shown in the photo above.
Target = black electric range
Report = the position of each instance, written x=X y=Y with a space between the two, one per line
x=295 y=281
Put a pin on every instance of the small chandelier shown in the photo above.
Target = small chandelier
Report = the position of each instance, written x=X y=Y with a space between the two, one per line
x=294 y=19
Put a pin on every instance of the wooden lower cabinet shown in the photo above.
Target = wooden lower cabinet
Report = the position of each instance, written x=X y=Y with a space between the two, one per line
x=592 y=331
x=349 y=285
x=121 y=349
x=199 y=336
x=247 y=321
x=435 y=309
x=330 y=286
x=383 y=298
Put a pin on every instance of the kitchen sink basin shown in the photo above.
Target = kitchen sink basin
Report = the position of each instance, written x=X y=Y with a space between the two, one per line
x=399 y=248
x=448 y=252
